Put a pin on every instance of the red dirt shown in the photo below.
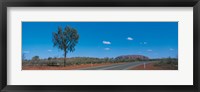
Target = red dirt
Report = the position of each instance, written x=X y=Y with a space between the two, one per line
x=72 y=67
x=149 y=66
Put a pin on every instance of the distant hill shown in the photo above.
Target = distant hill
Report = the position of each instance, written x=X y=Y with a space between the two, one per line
x=133 y=57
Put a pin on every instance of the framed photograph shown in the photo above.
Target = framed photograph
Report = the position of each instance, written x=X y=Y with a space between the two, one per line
x=76 y=45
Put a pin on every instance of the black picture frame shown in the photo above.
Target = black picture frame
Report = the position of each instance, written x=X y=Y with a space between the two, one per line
x=98 y=3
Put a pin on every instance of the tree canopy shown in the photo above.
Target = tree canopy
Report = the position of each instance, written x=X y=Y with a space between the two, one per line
x=66 y=39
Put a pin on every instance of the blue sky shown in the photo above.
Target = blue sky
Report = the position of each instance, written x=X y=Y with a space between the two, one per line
x=103 y=39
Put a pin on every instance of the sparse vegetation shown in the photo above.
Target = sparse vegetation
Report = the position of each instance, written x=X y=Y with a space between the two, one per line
x=167 y=63
x=157 y=64
x=160 y=64
x=74 y=61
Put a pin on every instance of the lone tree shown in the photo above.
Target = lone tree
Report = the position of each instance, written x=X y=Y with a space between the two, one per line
x=65 y=40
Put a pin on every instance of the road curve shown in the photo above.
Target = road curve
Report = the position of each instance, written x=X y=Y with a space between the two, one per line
x=121 y=66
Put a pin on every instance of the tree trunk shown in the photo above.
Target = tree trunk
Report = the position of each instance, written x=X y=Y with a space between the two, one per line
x=65 y=59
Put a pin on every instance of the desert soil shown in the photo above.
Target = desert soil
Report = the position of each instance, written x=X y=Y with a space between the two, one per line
x=72 y=67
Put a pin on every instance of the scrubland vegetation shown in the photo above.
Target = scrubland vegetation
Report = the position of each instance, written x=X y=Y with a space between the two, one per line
x=35 y=61
x=167 y=63
x=157 y=64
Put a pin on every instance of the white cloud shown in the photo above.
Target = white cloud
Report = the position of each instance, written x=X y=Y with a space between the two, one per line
x=49 y=50
x=171 y=49
x=130 y=38
x=149 y=50
x=106 y=48
x=106 y=42
x=26 y=51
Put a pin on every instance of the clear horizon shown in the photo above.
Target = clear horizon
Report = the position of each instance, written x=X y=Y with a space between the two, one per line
x=103 y=39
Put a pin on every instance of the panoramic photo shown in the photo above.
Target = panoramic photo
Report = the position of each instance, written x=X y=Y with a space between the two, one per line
x=99 y=46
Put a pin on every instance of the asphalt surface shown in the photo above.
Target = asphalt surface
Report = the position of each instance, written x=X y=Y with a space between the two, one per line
x=122 y=66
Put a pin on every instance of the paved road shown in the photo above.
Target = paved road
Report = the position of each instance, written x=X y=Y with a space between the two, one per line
x=122 y=66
